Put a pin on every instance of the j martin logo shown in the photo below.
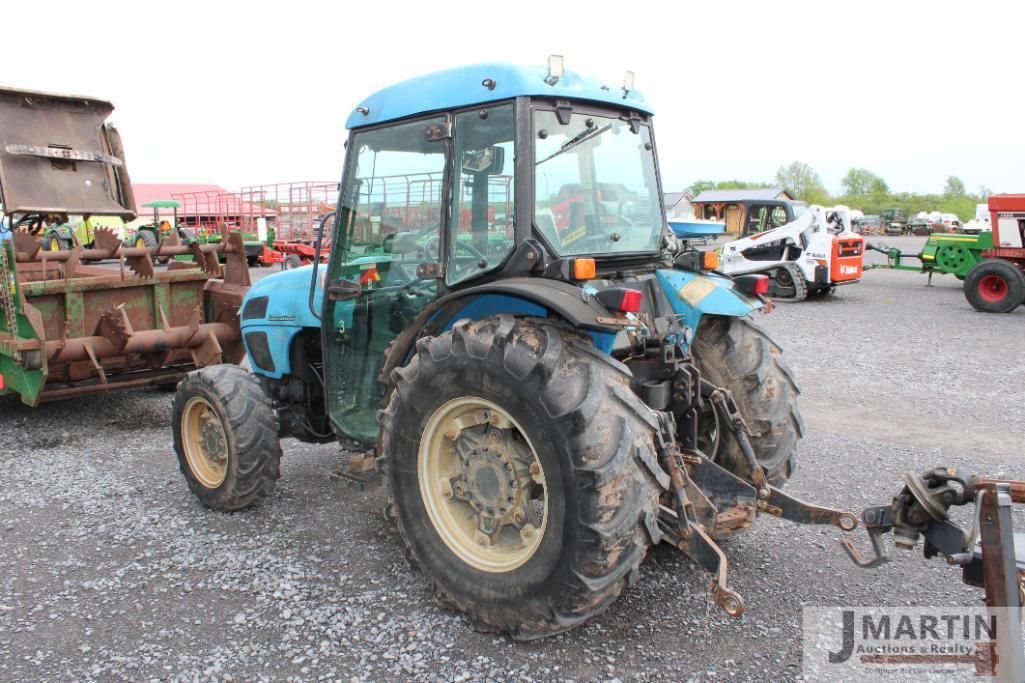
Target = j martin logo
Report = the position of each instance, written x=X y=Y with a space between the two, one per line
x=893 y=643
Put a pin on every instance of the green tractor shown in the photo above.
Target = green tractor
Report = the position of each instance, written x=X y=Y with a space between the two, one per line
x=547 y=392
x=152 y=235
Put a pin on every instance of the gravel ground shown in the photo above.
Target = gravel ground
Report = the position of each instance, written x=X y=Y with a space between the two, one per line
x=110 y=569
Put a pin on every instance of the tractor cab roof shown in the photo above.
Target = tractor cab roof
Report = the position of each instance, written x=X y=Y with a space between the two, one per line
x=469 y=85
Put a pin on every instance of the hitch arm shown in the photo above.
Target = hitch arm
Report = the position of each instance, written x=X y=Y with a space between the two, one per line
x=709 y=555
x=700 y=548
x=787 y=507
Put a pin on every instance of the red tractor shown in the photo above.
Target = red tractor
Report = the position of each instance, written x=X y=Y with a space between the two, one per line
x=996 y=284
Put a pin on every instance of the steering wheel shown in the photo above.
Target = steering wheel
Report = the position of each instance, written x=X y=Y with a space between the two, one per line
x=432 y=248
x=599 y=242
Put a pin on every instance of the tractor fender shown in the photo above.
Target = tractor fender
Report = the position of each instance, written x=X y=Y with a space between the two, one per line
x=535 y=297
x=527 y=296
x=693 y=295
x=274 y=311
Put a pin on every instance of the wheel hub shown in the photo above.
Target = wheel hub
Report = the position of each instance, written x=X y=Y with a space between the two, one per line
x=212 y=436
x=495 y=479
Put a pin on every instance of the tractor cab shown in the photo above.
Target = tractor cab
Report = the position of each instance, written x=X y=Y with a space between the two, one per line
x=511 y=172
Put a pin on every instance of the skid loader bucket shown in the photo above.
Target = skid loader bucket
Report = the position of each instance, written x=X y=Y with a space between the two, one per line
x=78 y=320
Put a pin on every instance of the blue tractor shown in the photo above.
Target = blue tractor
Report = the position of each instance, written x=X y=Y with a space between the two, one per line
x=552 y=381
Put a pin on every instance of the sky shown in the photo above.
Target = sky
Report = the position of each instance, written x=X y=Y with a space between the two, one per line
x=248 y=93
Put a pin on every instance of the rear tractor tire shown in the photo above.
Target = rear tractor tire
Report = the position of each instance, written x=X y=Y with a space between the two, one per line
x=514 y=452
x=226 y=437
x=995 y=286
x=735 y=354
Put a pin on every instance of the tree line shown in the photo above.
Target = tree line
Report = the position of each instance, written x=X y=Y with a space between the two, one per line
x=862 y=189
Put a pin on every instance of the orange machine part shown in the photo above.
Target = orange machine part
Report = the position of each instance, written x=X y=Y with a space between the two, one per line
x=847 y=258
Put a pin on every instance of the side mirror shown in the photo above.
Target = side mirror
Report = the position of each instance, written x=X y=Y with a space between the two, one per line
x=487 y=161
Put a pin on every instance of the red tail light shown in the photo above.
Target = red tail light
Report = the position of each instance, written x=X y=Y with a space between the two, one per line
x=621 y=299
x=753 y=283
x=631 y=302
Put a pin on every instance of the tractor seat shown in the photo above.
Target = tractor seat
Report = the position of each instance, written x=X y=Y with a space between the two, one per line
x=400 y=243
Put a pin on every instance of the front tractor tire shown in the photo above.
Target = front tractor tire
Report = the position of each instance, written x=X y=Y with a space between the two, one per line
x=995 y=286
x=736 y=355
x=226 y=437
x=514 y=450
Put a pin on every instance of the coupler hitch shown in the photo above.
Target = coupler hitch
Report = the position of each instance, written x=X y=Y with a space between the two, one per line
x=987 y=554
x=709 y=502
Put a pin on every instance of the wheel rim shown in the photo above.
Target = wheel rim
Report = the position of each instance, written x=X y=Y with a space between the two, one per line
x=55 y=244
x=204 y=442
x=482 y=484
x=140 y=243
x=992 y=288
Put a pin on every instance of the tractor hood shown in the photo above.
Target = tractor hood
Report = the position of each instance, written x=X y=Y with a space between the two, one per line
x=58 y=156
x=287 y=300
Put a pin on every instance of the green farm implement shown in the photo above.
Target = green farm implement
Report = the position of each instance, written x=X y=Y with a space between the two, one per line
x=953 y=254
x=70 y=324
x=991 y=263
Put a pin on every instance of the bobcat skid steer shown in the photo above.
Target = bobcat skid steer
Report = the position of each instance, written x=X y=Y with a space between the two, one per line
x=810 y=255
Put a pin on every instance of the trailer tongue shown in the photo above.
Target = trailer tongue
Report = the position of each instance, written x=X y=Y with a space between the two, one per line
x=70 y=325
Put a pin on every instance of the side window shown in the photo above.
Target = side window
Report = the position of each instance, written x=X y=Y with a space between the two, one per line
x=756 y=216
x=481 y=233
x=393 y=195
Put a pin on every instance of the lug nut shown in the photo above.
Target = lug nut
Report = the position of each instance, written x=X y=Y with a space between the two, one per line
x=481 y=538
x=518 y=517
x=535 y=468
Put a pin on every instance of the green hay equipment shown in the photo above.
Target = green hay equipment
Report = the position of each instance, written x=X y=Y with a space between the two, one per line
x=943 y=254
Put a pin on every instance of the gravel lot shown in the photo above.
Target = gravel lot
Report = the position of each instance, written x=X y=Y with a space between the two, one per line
x=110 y=569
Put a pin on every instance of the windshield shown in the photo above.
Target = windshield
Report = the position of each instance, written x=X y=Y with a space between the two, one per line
x=595 y=185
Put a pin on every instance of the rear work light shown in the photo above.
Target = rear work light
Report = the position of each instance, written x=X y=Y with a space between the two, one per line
x=621 y=299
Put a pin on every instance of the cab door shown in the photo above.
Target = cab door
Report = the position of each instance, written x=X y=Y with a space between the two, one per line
x=390 y=214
